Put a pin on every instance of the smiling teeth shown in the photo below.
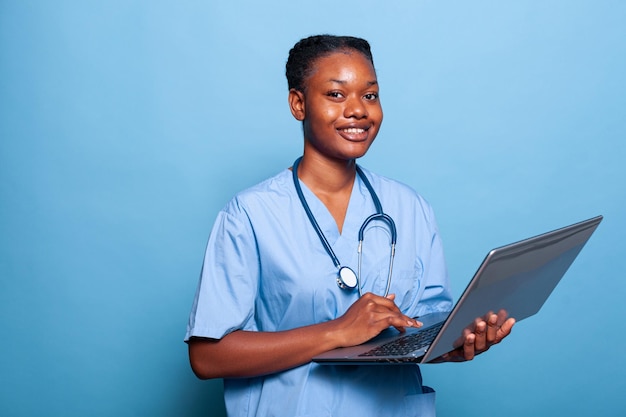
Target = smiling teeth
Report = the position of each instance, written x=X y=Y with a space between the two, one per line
x=354 y=130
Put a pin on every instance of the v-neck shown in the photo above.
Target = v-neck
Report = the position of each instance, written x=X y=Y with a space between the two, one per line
x=325 y=219
x=360 y=207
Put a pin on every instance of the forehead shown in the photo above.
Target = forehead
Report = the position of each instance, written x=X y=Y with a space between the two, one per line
x=344 y=65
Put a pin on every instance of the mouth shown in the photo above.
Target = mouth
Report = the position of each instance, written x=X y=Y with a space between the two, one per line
x=354 y=133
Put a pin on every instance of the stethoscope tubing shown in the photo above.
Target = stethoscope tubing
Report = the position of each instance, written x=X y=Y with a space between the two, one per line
x=392 y=227
x=379 y=215
x=311 y=217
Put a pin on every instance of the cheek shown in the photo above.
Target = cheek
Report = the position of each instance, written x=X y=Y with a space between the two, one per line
x=377 y=117
x=377 y=114
x=332 y=113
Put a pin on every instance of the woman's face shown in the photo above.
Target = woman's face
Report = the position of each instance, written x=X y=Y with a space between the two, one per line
x=341 y=110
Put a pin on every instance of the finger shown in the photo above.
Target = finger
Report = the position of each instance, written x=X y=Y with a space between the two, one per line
x=492 y=328
x=502 y=316
x=468 y=347
x=382 y=316
x=458 y=343
x=402 y=321
x=480 y=333
x=401 y=329
x=505 y=330
x=388 y=303
x=372 y=302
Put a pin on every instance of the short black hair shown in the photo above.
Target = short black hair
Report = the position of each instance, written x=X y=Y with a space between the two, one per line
x=307 y=50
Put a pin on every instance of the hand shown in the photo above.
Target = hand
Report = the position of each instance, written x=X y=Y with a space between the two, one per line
x=479 y=336
x=244 y=354
x=370 y=315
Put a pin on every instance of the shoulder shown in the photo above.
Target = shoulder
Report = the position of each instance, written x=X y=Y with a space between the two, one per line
x=397 y=193
x=388 y=184
x=265 y=195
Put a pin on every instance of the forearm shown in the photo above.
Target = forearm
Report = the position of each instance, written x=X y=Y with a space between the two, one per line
x=246 y=354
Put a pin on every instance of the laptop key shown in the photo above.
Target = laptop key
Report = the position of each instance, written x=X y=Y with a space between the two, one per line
x=406 y=344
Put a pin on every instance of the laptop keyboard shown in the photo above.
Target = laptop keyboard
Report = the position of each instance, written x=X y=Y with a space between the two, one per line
x=407 y=344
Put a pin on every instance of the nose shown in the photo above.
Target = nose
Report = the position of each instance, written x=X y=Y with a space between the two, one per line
x=355 y=108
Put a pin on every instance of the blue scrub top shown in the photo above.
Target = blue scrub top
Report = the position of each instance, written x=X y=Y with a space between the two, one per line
x=265 y=269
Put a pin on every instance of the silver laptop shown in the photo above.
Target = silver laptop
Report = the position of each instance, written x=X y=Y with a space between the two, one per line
x=516 y=279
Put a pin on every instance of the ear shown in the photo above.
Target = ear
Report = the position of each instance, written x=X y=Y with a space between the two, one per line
x=296 y=104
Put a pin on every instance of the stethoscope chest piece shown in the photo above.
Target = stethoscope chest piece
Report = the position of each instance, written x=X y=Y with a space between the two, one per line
x=346 y=278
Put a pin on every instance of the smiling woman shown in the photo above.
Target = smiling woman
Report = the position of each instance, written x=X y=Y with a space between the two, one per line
x=341 y=115
x=341 y=107
x=125 y=124
x=268 y=301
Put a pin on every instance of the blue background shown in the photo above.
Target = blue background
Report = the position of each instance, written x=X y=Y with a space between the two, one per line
x=126 y=125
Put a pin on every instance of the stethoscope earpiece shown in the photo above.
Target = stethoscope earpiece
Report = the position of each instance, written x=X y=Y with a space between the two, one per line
x=347 y=279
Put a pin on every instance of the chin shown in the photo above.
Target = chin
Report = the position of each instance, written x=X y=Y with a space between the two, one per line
x=358 y=152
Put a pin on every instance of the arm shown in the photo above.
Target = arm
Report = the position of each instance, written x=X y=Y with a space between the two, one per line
x=246 y=354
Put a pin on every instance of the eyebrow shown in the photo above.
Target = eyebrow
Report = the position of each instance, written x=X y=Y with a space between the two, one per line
x=369 y=83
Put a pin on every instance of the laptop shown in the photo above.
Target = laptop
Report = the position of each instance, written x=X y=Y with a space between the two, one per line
x=516 y=278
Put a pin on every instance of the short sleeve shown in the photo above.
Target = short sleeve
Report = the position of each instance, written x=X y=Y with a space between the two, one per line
x=226 y=293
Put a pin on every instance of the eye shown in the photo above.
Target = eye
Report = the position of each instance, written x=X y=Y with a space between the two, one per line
x=334 y=94
x=371 y=96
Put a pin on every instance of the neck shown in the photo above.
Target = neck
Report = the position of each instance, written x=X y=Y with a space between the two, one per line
x=326 y=176
x=331 y=182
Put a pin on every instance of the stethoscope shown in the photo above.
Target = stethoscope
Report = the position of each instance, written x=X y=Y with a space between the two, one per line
x=346 y=278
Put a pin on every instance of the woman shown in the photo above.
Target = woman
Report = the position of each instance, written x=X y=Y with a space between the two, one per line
x=269 y=299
